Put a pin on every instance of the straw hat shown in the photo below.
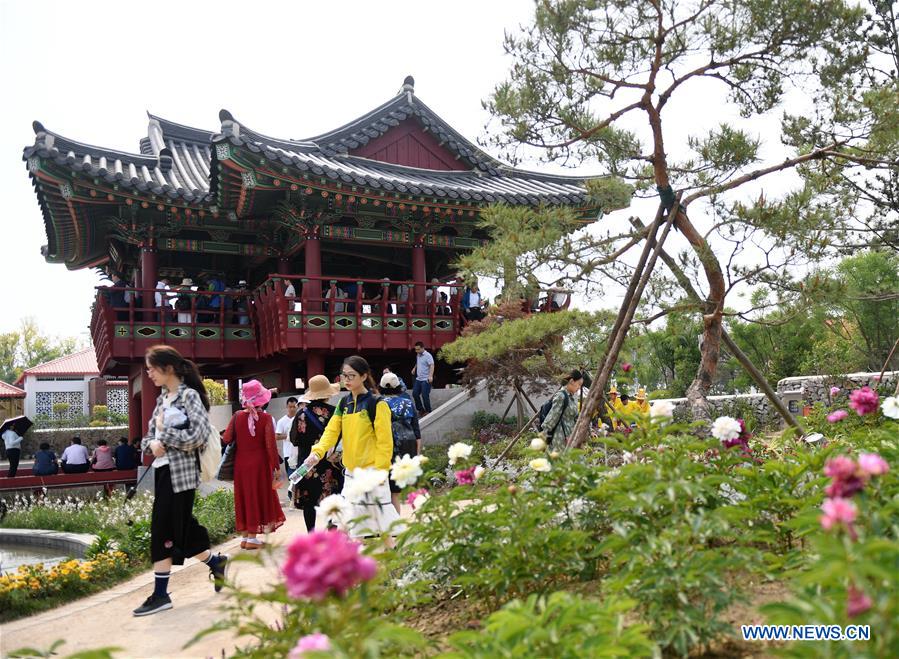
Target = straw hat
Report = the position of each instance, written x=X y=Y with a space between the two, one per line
x=255 y=394
x=613 y=390
x=187 y=281
x=641 y=394
x=319 y=388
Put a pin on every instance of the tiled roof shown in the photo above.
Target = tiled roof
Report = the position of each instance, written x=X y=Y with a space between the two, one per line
x=83 y=362
x=177 y=160
x=9 y=391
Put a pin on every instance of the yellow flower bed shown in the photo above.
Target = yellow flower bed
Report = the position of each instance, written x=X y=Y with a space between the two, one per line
x=72 y=576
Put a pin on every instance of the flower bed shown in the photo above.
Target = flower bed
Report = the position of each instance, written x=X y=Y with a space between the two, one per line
x=33 y=587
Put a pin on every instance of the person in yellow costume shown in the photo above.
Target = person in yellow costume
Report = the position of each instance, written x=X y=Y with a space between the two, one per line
x=640 y=404
x=614 y=406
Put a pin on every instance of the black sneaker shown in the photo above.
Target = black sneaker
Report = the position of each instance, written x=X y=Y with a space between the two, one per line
x=218 y=571
x=153 y=604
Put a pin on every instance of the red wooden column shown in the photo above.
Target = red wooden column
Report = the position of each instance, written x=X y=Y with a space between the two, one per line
x=313 y=268
x=315 y=365
x=419 y=276
x=287 y=381
x=283 y=266
x=233 y=391
x=149 y=272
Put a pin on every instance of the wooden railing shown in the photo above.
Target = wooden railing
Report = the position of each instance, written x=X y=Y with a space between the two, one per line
x=350 y=313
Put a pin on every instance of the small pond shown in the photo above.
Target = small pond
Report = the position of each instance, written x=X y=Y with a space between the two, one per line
x=14 y=555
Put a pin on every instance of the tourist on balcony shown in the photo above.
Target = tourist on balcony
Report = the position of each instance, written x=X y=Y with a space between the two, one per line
x=473 y=303
x=184 y=301
x=404 y=425
x=560 y=420
x=75 y=459
x=257 y=467
x=443 y=307
x=212 y=304
x=431 y=293
x=424 y=377
x=402 y=298
x=102 y=460
x=45 y=463
x=162 y=300
x=115 y=295
x=125 y=457
x=338 y=294
x=242 y=304
x=12 y=441
x=325 y=478
x=382 y=297
x=362 y=422
x=178 y=430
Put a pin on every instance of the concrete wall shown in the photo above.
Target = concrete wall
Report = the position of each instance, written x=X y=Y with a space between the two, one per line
x=60 y=438
x=32 y=386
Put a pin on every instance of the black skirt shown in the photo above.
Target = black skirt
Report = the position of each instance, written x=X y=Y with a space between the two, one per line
x=174 y=531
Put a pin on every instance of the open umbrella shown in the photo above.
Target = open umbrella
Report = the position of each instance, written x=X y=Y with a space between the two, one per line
x=20 y=424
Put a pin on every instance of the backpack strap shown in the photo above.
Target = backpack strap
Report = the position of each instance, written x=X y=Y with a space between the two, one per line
x=371 y=405
x=552 y=433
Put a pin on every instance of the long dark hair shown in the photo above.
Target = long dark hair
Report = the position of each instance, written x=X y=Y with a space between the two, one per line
x=361 y=367
x=572 y=377
x=162 y=356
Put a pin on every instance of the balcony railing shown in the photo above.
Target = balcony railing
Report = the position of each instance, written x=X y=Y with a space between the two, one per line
x=342 y=313
x=205 y=325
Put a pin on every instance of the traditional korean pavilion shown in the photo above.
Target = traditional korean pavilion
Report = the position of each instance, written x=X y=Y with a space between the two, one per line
x=367 y=212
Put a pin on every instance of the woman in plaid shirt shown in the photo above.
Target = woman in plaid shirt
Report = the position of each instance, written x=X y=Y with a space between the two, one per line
x=178 y=431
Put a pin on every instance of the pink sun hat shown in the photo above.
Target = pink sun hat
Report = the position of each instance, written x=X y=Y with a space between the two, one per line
x=255 y=394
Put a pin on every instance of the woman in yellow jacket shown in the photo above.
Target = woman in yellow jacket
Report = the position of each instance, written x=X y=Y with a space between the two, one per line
x=362 y=422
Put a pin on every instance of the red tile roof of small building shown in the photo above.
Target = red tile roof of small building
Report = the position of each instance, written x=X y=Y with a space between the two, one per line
x=83 y=362
x=9 y=391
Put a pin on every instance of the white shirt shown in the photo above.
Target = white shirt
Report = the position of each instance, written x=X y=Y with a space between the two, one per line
x=160 y=286
x=474 y=300
x=288 y=450
x=75 y=454
x=12 y=439
x=290 y=291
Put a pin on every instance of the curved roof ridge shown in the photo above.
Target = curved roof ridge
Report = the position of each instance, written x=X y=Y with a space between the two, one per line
x=62 y=144
x=227 y=118
x=182 y=131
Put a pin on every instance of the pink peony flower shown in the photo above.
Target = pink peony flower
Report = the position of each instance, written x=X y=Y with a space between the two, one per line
x=834 y=391
x=465 y=476
x=864 y=401
x=311 y=643
x=840 y=467
x=872 y=464
x=857 y=602
x=837 y=416
x=414 y=495
x=626 y=366
x=325 y=562
x=838 y=511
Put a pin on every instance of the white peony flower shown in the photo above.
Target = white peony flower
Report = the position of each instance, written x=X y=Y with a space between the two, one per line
x=890 y=407
x=363 y=483
x=725 y=428
x=537 y=444
x=406 y=470
x=662 y=409
x=478 y=472
x=540 y=464
x=458 y=451
x=627 y=457
x=336 y=510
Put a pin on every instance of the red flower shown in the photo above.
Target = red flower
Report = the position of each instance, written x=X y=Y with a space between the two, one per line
x=626 y=366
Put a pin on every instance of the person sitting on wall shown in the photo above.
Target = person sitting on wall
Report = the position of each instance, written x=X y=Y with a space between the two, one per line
x=45 y=463
x=101 y=460
x=473 y=303
x=75 y=459
x=125 y=458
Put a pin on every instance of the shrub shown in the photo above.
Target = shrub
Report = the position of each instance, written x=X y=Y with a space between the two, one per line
x=561 y=625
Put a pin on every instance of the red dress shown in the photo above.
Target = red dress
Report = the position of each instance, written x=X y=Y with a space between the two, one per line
x=257 y=508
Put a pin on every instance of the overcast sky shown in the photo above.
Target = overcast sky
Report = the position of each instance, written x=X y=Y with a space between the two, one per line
x=91 y=70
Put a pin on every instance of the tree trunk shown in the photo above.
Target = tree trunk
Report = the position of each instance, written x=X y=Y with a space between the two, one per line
x=519 y=407
x=710 y=350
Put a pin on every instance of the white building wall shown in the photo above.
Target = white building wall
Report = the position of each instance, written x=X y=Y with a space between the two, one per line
x=33 y=387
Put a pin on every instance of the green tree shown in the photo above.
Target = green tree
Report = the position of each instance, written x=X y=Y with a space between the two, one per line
x=595 y=81
x=217 y=392
x=29 y=346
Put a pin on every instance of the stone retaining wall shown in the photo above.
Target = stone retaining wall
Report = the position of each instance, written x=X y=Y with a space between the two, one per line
x=59 y=438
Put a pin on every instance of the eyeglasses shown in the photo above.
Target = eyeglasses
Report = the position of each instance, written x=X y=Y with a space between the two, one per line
x=349 y=376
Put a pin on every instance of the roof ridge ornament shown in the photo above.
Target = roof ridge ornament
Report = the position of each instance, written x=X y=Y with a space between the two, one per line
x=230 y=126
x=166 y=161
x=41 y=135
x=408 y=87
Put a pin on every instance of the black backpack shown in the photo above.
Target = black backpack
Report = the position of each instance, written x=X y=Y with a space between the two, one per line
x=371 y=405
x=544 y=412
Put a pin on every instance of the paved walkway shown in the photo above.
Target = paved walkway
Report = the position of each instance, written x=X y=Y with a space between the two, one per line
x=105 y=619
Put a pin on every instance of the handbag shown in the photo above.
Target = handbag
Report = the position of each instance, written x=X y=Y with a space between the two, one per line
x=226 y=466
x=211 y=456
